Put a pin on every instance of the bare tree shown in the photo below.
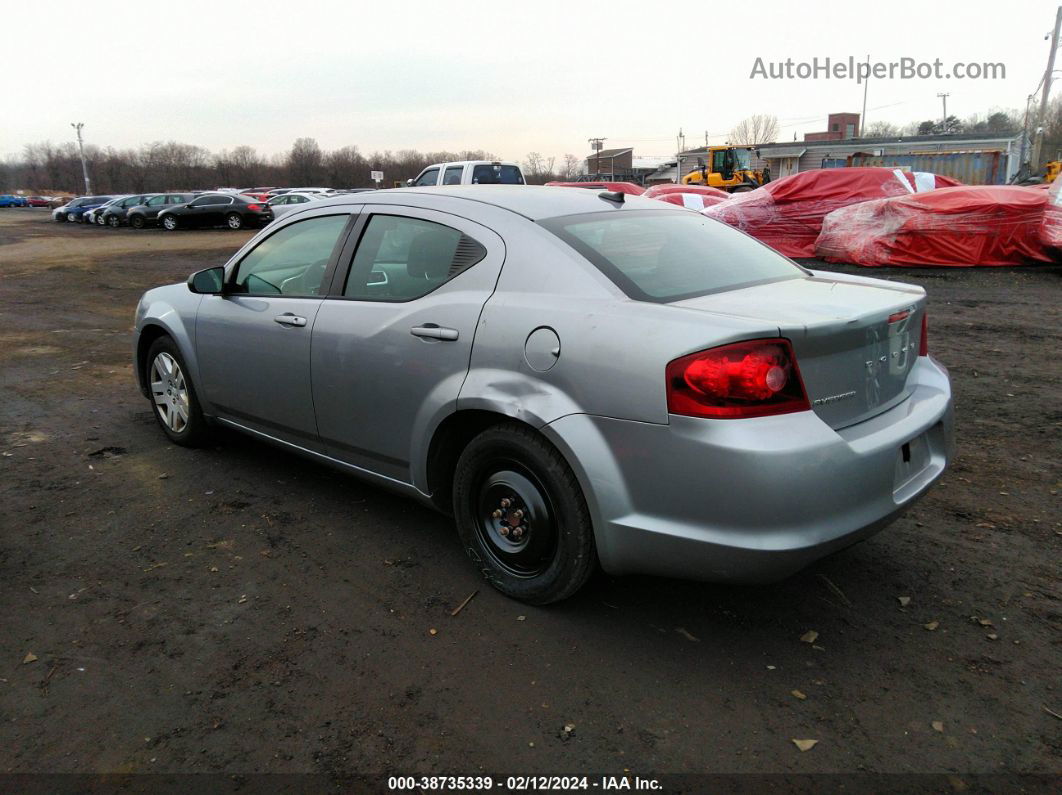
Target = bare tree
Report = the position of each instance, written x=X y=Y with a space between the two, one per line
x=305 y=161
x=880 y=129
x=539 y=169
x=761 y=128
x=573 y=166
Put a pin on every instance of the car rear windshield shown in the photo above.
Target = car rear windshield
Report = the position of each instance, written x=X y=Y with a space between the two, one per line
x=664 y=256
x=496 y=175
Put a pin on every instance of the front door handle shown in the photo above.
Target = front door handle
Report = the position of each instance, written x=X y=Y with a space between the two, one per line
x=290 y=320
x=430 y=331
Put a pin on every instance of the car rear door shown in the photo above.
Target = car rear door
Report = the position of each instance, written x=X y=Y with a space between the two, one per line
x=253 y=342
x=392 y=340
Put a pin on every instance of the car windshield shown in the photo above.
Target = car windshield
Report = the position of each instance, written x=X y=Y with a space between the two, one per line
x=496 y=174
x=666 y=256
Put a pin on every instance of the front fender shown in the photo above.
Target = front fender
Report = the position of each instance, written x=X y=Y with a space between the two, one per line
x=168 y=312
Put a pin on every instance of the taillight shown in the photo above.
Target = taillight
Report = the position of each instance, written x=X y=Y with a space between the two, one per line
x=254 y=207
x=923 y=345
x=746 y=379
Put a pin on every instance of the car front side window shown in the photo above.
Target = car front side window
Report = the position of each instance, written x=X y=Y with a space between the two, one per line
x=429 y=177
x=291 y=261
x=401 y=258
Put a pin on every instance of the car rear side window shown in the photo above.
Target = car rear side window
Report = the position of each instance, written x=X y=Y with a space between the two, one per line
x=291 y=261
x=496 y=174
x=664 y=256
x=452 y=175
x=401 y=258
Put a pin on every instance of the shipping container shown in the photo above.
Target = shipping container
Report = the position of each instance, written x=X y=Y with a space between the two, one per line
x=987 y=167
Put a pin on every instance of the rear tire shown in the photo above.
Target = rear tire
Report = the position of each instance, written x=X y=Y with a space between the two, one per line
x=234 y=221
x=521 y=515
x=173 y=396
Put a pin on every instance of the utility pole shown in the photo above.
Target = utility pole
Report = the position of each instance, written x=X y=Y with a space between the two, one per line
x=1046 y=93
x=1025 y=133
x=944 y=118
x=81 y=149
x=596 y=144
x=866 y=85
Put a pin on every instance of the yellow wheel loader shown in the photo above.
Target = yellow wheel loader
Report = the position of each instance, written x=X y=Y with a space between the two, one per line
x=728 y=168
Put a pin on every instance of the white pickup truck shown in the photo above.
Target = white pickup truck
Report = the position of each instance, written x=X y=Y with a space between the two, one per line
x=469 y=172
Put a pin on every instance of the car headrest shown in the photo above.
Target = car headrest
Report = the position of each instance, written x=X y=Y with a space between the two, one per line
x=430 y=255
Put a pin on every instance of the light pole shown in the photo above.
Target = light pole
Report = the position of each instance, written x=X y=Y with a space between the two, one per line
x=944 y=118
x=81 y=148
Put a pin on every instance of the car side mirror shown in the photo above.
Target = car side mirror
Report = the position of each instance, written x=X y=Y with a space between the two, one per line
x=207 y=282
x=409 y=183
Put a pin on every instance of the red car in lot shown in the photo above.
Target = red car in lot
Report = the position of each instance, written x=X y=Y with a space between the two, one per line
x=262 y=194
x=38 y=201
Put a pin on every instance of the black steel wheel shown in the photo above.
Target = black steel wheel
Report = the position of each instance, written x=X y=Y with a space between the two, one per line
x=521 y=515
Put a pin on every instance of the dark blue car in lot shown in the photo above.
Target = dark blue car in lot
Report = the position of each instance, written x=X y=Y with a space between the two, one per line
x=8 y=200
x=76 y=209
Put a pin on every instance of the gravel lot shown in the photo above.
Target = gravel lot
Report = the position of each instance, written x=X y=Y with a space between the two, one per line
x=239 y=609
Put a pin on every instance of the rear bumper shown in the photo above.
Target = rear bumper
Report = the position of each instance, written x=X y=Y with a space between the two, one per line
x=754 y=500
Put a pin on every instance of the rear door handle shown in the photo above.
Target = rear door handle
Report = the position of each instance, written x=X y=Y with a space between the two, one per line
x=430 y=331
x=290 y=320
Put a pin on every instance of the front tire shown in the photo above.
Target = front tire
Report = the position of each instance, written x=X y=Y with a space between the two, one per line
x=521 y=515
x=60 y=218
x=114 y=221
x=169 y=223
x=234 y=221
x=176 y=405
x=137 y=222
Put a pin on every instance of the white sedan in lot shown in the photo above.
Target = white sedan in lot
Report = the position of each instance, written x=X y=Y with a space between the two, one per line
x=286 y=202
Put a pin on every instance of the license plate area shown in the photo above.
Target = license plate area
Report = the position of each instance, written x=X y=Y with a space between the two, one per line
x=912 y=460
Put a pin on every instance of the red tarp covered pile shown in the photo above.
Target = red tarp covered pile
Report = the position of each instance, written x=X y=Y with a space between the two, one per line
x=963 y=226
x=692 y=197
x=787 y=214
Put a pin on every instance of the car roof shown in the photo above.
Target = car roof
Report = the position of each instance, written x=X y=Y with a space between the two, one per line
x=531 y=201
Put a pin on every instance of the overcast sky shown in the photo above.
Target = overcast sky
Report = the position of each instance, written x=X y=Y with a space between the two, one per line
x=502 y=76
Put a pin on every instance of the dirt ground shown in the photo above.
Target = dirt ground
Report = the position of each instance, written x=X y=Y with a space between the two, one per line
x=239 y=609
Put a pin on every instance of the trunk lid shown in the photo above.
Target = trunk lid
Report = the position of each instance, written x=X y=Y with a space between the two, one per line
x=855 y=339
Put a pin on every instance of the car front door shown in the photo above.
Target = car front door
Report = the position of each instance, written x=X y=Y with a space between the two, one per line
x=392 y=341
x=197 y=211
x=253 y=341
x=153 y=205
x=427 y=178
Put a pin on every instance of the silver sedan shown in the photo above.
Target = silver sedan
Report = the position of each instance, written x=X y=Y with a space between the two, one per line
x=580 y=378
x=286 y=202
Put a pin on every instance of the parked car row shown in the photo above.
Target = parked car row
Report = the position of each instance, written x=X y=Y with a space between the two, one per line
x=11 y=200
x=168 y=210
x=226 y=207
